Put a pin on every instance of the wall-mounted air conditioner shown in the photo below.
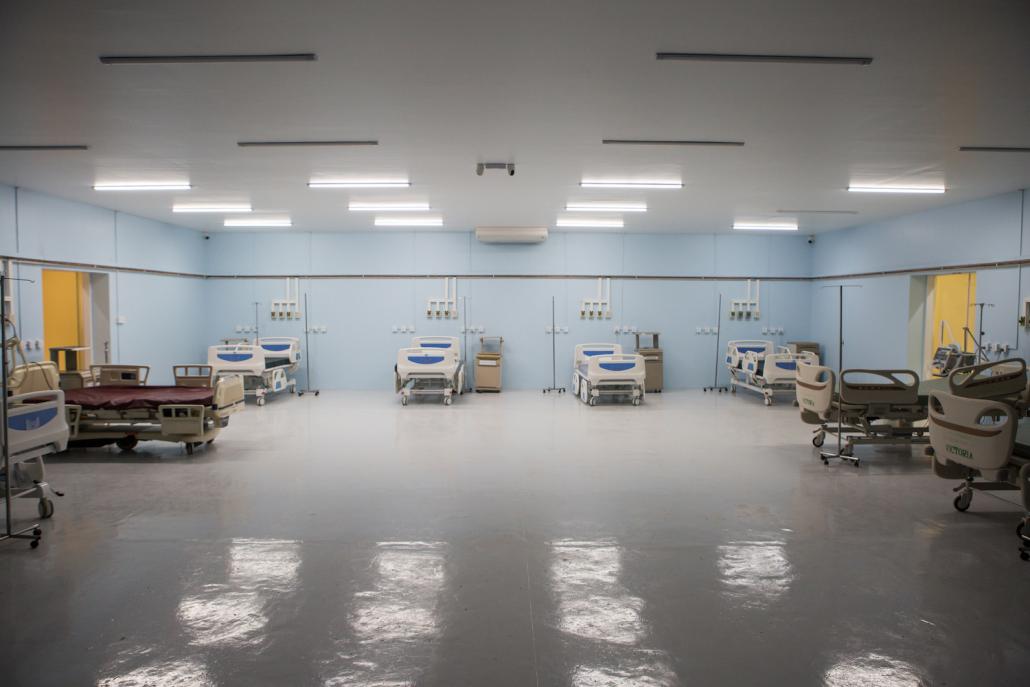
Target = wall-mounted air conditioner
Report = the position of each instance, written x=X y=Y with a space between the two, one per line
x=511 y=234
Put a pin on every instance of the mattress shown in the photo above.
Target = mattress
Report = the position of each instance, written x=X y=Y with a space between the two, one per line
x=137 y=397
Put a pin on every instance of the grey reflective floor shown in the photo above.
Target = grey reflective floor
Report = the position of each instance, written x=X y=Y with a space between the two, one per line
x=513 y=539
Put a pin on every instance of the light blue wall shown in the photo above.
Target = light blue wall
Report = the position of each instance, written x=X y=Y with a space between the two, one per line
x=359 y=349
x=163 y=315
x=876 y=315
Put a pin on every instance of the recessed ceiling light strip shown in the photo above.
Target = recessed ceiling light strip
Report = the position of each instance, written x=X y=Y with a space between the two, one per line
x=144 y=186
x=388 y=207
x=590 y=223
x=995 y=149
x=192 y=59
x=629 y=183
x=764 y=226
x=818 y=212
x=896 y=189
x=45 y=147
x=307 y=144
x=360 y=183
x=606 y=207
x=744 y=57
x=409 y=221
x=666 y=142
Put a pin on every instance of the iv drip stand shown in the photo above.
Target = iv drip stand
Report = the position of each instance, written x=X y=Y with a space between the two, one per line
x=554 y=355
x=826 y=455
x=718 y=335
x=307 y=351
x=33 y=533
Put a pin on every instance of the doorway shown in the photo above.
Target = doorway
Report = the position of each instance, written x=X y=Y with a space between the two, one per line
x=949 y=313
x=76 y=318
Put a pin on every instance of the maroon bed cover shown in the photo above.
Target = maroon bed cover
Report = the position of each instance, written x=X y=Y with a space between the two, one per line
x=136 y=397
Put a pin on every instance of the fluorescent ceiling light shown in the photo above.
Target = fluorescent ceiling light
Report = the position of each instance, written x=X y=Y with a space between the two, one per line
x=818 y=212
x=387 y=207
x=602 y=206
x=666 y=142
x=629 y=183
x=765 y=226
x=258 y=222
x=896 y=189
x=409 y=221
x=359 y=183
x=590 y=223
x=77 y=146
x=744 y=57
x=224 y=208
x=181 y=59
x=144 y=186
x=286 y=144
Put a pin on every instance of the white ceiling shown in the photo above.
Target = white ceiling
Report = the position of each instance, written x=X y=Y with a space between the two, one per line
x=443 y=85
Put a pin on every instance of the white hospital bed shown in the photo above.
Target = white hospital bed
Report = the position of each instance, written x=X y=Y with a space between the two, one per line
x=601 y=369
x=974 y=439
x=266 y=366
x=871 y=407
x=431 y=366
x=36 y=426
x=764 y=368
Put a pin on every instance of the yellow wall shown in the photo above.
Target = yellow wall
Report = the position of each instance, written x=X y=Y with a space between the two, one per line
x=65 y=295
x=953 y=297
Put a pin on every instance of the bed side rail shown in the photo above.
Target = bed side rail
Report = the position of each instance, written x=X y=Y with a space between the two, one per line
x=120 y=375
x=894 y=387
x=615 y=364
x=193 y=375
x=428 y=357
x=34 y=376
x=228 y=394
x=586 y=351
x=1001 y=379
x=976 y=433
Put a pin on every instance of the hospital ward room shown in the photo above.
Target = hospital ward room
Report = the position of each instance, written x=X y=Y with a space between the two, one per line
x=541 y=344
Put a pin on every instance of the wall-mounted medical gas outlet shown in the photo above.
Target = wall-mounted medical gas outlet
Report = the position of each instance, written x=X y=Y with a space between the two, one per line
x=473 y=329
x=746 y=308
x=445 y=308
x=599 y=307
x=556 y=330
x=287 y=308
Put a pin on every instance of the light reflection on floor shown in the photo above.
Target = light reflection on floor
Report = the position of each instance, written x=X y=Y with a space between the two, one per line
x=218 y=614
x=395 y=620
x=754 y=573
x=233 y=613
x=595 y=606
x=873 y=670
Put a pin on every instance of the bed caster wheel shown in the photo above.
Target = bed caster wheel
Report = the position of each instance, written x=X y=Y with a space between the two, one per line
x=189 y=448
x=1019 y=529
x=34 y=544
x=209 y=442
x=36 y=532
x=447 y=401
x=636 y=401
x=928 y=452
x=855 y=462
x=45 y=508
x=768 y=401
x=404 y=401
x=593 y=402
x=1023 y=555
x=962 y=501
x=826 y=462
x=261 y=401
x=818 y=440
x=127 y=443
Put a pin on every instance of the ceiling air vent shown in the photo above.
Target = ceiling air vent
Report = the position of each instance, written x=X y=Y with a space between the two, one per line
x=511 y=234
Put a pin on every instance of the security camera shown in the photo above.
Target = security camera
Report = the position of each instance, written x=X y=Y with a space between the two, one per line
x=480 y=168
x=811 y=240
x=511 y=169
x=207 y=237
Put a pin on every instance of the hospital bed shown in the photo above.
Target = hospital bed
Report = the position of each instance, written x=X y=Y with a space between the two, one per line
x=601 y=369
x=36 y=426
x=432 y=366
x=871 y=407
x=122 y=409
x=977 y=439
x=764 y=368
x=267 y=365
x=890 y=406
